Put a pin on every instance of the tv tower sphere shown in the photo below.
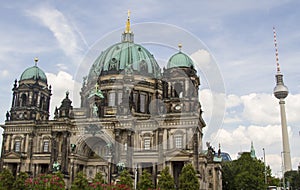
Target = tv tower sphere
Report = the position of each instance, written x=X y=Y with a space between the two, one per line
x=280 y=90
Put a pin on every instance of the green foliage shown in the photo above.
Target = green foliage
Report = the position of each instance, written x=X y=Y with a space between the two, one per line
x=246 y=173
x=99 y=178
x=6 y=180
x=20 y=181
x=165 y=180
x=188 y=179
x=145 y=182
x=80 y=182
x=125 y=179
x=46 y=182
x=293 y=177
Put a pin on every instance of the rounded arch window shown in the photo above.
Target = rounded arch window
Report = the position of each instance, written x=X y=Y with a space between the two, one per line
x=23 y=100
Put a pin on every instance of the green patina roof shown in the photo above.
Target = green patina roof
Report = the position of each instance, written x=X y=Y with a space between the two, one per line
x=180 y=60
x=124 y=56
x=34 y=73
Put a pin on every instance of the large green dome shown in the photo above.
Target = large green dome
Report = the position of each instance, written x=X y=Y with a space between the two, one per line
x=128 y=57
x=34 y=73
x=180 y=60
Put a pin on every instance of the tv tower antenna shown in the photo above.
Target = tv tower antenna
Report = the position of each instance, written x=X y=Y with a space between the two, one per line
x=281 y=92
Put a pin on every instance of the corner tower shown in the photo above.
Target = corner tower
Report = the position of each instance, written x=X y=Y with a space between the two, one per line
x=31 y=97
x=281 y=92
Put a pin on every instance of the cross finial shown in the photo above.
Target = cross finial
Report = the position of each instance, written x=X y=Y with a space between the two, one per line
x=127 y=29
x=128 y=13
x=36 y=60
x=179 y=46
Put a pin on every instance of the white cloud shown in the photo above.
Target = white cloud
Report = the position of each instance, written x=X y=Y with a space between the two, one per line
x=61 y=83
x=260 y=108
x=233 y=101
x=62 y=29
x=202 y=57
x=267 y=137
x=213 y=106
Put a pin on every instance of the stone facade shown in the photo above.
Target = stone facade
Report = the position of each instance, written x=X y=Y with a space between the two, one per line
x=134 y=116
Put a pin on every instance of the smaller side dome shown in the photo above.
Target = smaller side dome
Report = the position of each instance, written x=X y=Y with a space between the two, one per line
x=34 y=73
x=180 y=60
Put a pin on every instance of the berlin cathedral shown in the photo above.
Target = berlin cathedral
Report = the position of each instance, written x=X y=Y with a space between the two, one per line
x=132 y=115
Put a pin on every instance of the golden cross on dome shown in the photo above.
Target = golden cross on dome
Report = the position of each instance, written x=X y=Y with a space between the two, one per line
x=179 y=46
x=128 y=13
x=36 y=60
x=127 y=29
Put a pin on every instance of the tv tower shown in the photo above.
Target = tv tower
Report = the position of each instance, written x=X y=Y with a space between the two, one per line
x=281 y=92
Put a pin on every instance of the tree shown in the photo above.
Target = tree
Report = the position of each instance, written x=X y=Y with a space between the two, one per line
x=145 y=182
x=20 y=181
x=246 y=173
x=188 y=179
x=80 y=182
x=293 y=177
x=125 y=179
x=165 y=180
x=6 y=180
x=98 y=178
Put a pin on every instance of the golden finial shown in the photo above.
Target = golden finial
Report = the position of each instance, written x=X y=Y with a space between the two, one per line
x=127 y=29
x=36 y=60
x=96 y=86
x=179 y=46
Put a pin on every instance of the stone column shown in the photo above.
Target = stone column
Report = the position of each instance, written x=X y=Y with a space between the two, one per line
x=165 y=137
x=154 y=174
x=7 y=143
x=54 y=149
x=26 y=143
x=3 y=149
x=10 y=144
x=65 y=153
x=130 y=147
x=117 y=145
x=30 y=151
x=160 y=148
x=195 y=148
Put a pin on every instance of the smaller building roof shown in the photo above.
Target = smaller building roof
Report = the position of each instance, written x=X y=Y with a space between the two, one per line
x=34 y=73
x=180 y=60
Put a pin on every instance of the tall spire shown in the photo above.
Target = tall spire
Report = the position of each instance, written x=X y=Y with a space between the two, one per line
x=127 y=35
x=276 y=51
x=252 y=151
x=281 y=92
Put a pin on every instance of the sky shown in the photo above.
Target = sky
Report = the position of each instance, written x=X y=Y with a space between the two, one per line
x=231 y=43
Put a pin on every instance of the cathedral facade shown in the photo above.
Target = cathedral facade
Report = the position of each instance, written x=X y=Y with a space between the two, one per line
x=132 y=115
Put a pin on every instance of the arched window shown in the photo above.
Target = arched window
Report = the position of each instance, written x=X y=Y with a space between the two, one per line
x=178 y=139
x=42 y=102
x=147 y=141
x=143 y=102
x=111 y=99
x=23 y=100
x=17 y=146
x=46 y=146
x=178 y=90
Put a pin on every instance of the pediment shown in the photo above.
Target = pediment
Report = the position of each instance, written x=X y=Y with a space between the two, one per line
x=177 y=152
x=12 y=155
